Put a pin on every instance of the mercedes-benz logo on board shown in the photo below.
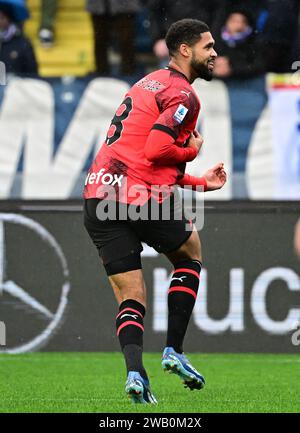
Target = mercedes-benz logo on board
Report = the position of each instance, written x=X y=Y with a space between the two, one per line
x=34 y=283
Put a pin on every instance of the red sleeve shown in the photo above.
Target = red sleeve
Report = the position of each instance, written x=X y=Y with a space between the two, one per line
x=178 y=108
x=193 y=181
x=160 y=148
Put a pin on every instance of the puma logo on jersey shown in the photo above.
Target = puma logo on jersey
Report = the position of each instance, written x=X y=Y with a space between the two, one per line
x=186 y=93
x=179 y=278
x=135 y=316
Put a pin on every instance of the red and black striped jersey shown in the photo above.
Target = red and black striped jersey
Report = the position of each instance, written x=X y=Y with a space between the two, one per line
x=165 y=101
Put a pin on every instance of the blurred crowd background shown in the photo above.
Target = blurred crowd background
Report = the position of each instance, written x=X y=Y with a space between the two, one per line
x=56 y=37
x=124 y=39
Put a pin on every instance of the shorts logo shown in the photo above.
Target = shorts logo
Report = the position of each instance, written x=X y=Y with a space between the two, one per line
x=180 y=113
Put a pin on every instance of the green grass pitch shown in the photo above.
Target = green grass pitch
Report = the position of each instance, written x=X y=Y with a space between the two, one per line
x=94 y=382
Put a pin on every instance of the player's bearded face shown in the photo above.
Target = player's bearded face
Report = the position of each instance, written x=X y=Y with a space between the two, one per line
x=202 y=67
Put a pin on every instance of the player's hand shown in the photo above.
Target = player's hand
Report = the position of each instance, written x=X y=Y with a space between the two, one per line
x=215 y=177
x=195 y=141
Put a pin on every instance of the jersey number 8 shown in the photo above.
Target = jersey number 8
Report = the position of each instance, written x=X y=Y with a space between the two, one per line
x=116 y=126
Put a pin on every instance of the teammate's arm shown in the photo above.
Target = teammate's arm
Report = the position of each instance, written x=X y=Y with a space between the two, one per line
x=213 y=179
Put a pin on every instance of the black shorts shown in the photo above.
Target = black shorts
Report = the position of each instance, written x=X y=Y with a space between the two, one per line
x=116 y=239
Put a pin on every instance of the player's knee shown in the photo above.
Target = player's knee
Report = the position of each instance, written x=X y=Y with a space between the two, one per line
x=193 y=256
x=191 y=250
x=134 y=293
x=194 y=247
x=197 y=257
x=125 y=264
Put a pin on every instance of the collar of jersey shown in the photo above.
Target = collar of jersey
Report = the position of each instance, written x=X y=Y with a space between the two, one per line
x=178 y=72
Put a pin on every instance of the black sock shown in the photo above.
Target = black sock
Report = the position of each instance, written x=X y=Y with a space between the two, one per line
x=181 y=300
x=130 y=330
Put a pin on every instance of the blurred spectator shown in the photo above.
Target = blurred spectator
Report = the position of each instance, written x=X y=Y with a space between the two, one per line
x=114 y=18
x=239 y=52
x=276 y=24
x=296 y=48
x=15 y=49
x=164 y=12
x=48 y=14
x=280 y=34
x=258 y=9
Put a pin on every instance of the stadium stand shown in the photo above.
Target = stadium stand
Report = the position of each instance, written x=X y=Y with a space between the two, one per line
x=72 y=53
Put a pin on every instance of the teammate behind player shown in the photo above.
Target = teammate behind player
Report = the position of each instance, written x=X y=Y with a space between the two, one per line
x=151 y=137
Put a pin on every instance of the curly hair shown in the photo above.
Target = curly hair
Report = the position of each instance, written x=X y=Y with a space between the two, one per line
x=187 y=31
